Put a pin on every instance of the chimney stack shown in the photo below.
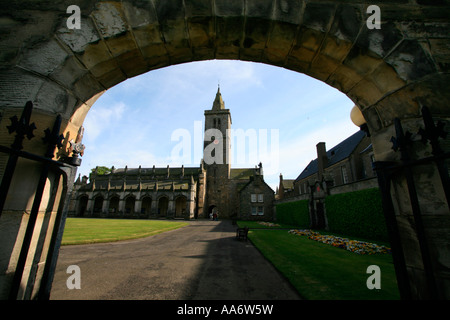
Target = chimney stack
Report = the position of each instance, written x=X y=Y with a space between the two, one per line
x=321 y=159
x=281 y=188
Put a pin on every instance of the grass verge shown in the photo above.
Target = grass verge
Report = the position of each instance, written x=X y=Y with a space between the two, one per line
x=91 y=230
x=320 y=271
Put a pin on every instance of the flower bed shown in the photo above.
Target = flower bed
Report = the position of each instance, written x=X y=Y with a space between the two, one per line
x=359 y=247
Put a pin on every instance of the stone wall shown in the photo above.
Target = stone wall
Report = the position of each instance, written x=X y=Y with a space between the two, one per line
x=249 y=209
x=368 y=183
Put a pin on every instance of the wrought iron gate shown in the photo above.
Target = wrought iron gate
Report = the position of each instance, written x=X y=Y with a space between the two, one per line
x=387 y=171
x=64 y=172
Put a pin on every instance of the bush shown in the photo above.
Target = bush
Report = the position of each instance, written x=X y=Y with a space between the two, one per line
x=294 y=213
x=358 y=213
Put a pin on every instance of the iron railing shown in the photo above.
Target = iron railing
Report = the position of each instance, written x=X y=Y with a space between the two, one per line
x=387 y=171
x=64 y=169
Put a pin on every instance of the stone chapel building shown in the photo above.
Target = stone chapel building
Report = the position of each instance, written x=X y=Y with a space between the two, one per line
x=181 y=192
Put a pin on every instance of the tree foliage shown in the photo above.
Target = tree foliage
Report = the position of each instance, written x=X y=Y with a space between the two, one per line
x=101 y=170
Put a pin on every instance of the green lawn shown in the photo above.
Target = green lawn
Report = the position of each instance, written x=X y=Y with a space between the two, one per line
x=321 y=271
x=90 y=230
x=316 y=270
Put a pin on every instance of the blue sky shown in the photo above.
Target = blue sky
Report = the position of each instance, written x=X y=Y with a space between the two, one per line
x=137 y=121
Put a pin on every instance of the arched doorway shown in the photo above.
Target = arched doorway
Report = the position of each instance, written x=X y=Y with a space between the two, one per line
x=180 y=207
x=163 y=206
x=389 y=73
x=320 y=214
x=146 y=206
x=82 y=205
x=212 y=209
x=129 y=205
x=98 y=205
x=113 y=209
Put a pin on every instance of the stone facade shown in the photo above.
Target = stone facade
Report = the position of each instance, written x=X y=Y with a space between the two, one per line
x=349 y=162
x=256 y=200
x=179 y=192
x=344 y=168
x=140 y=193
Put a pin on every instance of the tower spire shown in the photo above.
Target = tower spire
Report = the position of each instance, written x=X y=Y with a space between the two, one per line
x=218 y=101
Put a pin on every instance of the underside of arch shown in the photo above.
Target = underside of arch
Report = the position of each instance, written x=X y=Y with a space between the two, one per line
x=64 y=71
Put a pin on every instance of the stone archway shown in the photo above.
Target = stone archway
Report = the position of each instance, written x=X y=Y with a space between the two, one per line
x=389 y=73
x=82 y=205
x=98 y=205
x=211 y=210
x=180 y=206
x=129 y=205
x=163 y=206
x=114 y=205
x=146 y=205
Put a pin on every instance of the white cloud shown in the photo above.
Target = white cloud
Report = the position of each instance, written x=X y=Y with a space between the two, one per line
x=195 y=79
x=295 y=154
x=101 y=117
x=303 y=149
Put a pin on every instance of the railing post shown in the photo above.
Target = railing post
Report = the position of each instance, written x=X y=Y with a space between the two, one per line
x=432 y=133
x=68 y=175
x=384 y=182
x=401 y=142
x=23 y=128
x=54 y=139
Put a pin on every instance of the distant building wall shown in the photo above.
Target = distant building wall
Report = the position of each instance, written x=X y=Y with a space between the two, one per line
x=256 y=201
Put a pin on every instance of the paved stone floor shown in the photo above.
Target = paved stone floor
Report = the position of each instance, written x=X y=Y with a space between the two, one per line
x=202 y=261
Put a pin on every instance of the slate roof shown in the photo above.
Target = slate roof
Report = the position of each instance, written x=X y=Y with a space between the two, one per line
x=242 y=173
x=288 y=183
x=174 y=171
x=338 y=153
x=242 y=186
x=149 y=178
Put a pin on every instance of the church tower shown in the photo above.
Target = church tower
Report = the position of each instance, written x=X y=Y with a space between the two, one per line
x=216 y=156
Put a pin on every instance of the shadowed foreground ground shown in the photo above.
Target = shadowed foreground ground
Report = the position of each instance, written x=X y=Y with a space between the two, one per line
x=202 y=261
